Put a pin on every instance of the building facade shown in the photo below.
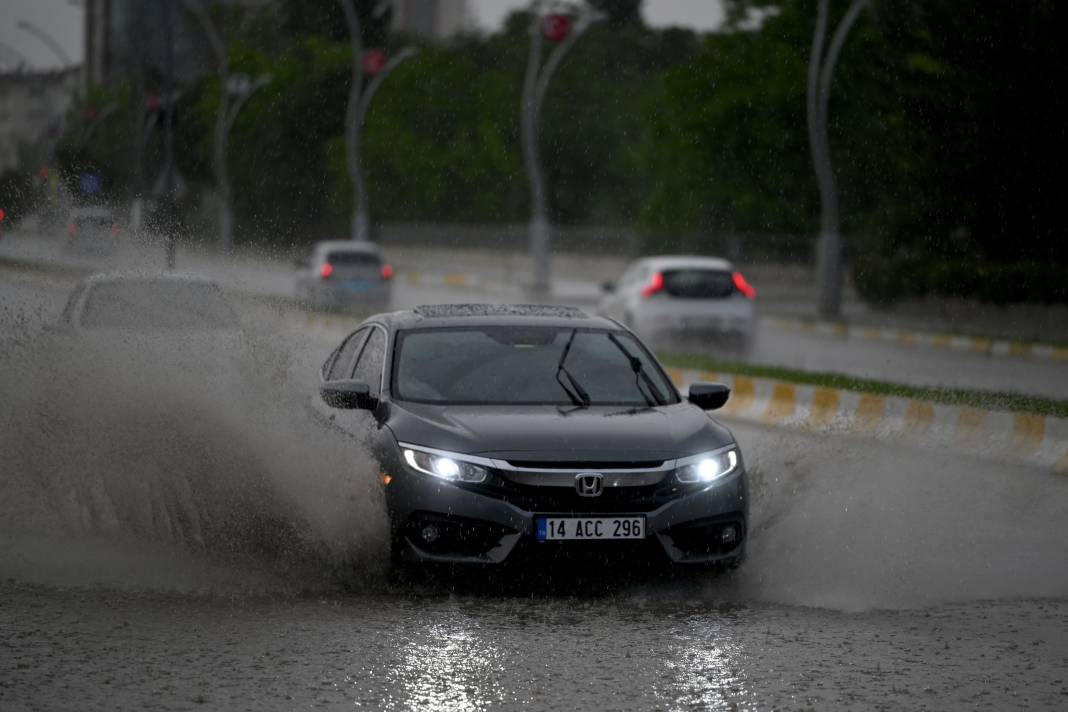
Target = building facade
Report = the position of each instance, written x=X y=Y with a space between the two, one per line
x=33 y=106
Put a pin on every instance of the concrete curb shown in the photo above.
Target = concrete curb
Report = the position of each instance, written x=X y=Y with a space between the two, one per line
x=1017 y=437
x=922 y=339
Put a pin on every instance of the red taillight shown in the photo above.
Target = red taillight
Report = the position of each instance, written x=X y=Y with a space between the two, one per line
x=73 y=228
x=326 y=270
x=387 y=271
x=114 y=229
x=655 y=285
x=744 y=287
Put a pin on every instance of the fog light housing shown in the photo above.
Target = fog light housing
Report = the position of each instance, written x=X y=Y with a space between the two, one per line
x=728 y=535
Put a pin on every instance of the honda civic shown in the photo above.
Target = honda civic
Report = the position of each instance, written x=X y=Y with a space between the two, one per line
x=504 y=428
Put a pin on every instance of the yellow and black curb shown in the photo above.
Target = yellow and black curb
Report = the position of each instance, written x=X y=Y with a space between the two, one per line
x=923 y=339
x=1018 y=437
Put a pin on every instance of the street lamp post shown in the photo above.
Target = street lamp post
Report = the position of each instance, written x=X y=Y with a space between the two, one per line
x=11 y=57
x=371 y=63
x=48 y=40
x=820 y=71
x=556 y=28
x=236 y=89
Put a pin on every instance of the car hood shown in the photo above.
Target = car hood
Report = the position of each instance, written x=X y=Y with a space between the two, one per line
x=549 y=433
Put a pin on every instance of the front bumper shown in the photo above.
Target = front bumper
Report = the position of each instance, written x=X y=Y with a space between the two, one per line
x=473 y=526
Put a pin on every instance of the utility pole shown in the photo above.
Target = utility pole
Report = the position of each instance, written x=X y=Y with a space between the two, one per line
x=168 y=137
x=820 y=72
x=556 y=28
x=234 y=92
x=364 y=63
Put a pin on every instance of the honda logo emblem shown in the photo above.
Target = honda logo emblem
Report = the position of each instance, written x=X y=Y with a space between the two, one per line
x=589 y=484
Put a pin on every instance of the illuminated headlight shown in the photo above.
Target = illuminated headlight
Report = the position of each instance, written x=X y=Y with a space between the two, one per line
x=707 y=468
x=444 y=467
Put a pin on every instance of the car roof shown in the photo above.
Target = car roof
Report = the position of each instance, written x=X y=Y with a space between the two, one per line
x=431 y=316
x=347 y=246
x=682 y=261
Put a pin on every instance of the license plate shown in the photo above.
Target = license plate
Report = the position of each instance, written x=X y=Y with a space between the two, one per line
x=586 y=528
x=354 y=286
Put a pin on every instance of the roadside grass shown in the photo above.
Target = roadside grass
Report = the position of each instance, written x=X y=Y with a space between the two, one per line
x=987 y=400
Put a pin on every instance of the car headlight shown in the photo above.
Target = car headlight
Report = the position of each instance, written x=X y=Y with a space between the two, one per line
x=707 y=467
x=449 y=466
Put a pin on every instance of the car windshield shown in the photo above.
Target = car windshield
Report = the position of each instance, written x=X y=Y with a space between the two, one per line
x=519 y=365
x=157 y=305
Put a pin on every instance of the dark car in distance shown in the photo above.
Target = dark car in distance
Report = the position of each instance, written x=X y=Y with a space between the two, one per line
x=501 y=428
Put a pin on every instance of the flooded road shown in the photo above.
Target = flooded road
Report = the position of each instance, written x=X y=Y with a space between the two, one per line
x=660 y=648
x=181 y=544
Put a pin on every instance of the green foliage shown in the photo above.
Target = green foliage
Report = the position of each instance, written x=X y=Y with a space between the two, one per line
x=441 y=139
x=886 y=280
x=942 y=130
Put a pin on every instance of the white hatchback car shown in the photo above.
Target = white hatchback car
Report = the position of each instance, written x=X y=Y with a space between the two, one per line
x=668 y=300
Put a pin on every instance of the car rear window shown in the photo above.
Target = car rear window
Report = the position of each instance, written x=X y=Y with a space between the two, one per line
x=698 y=283
x=347 y=259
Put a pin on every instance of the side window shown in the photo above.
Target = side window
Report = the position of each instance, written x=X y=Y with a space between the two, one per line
x=340 y=365
x=369 y=365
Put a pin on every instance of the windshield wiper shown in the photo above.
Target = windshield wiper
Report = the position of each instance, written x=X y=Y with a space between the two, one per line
x=578 y=396
x=654 y=396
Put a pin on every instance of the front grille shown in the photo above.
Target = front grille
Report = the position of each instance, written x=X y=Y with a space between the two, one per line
x=566 y=500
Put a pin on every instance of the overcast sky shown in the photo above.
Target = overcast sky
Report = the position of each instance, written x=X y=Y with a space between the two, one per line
x=62 y=19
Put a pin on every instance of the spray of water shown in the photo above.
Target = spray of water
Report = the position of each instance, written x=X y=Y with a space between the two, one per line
x=175 y=463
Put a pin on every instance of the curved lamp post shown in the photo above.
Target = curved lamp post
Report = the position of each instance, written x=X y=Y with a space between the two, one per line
x=47 y=39
x=820 y=71
x=236 y=89
x=364 y=63
x=557 y=28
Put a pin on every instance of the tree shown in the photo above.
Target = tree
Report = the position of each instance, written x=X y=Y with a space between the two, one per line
x=619 y=12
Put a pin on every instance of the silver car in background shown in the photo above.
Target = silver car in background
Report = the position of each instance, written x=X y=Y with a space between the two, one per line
x=93 y=228
x=684 y=300
x=344 y=273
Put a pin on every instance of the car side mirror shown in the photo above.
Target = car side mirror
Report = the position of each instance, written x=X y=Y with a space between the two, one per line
x=608 y=287
x=709 y=396
x=347 y=394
